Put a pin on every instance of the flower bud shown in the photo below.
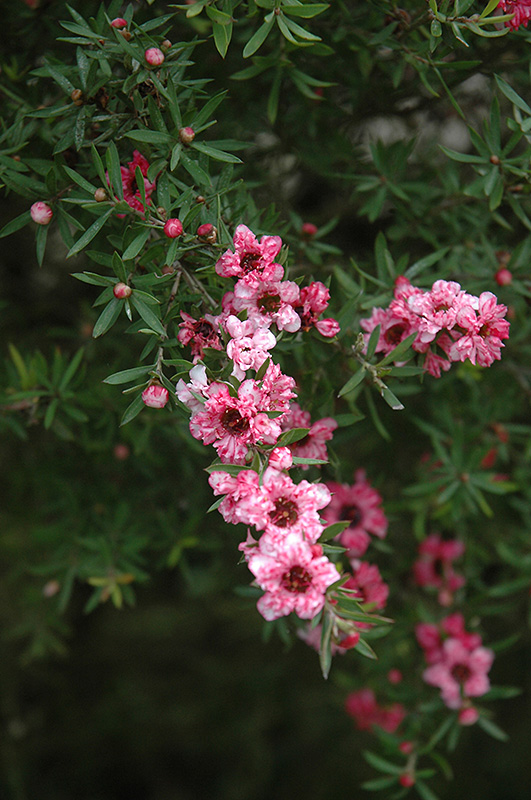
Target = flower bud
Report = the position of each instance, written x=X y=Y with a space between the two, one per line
x=155 y=396
x=77 y=97
x=406 y=779
x=166 y=44
x=100 y=195
x=394 y=675
x=121 y=291
x=200 y=199
x=167 y=269
x=162 y=212
x=173 y=228
x=328 y=327
x=51 y=588
x=119 y=22
x=154 y=56
x=503 y=277
x=186 y=135
x=468 y=716
x=308 y=229
x=406 y=747
x=41 y=213
x=281 y=458
x=121 y=451
x=208 y=233
x=350 y=641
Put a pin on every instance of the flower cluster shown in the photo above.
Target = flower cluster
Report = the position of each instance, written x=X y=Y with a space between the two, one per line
x=244 y=418
x=521 y=10
x=367 y=714
x=434 y=568
x=458 y=664
x=449 y=324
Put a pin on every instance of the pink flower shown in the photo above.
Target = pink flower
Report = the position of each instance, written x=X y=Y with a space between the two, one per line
x=155 y=395
x=295 y=506
x=367 y=714
x=251 y=257
x=394 y=327
x=436 y=309
x=245 y=500
x=249 y=346
x=434 y=567
x=281 y=458
x=313 y=301
x=199 y=334
x=314 y=443
x=173 y=228
x=484 y=328
x=233 y=424
x=295 y=577
x=267 y=302
x=119 y=22
x=198 y=384
x=361 y=504
x=131 y=191
x=461 y=672
x=41 y=213
x=367 y=586
x=521 y=10
x=121 y=291
x=154 y=56
x=277 y=389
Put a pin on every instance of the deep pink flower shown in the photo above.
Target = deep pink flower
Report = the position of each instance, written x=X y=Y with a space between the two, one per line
x=155 y=396
x=245 y=499
x=361 y=504
x=460 y=672
x=251 y=256
x=435 y=568
x=295 y=578
x=367 y=586
x=521 y=10
x=130 y=189
x=199 y=333
x=173 y=228
x=367 y=714
x=394 y=327
x=314 y=443
x=484 y=328
x=295 y=506
x=268 y=302
x=311 y=304
x=233 y=424
x=277 y=389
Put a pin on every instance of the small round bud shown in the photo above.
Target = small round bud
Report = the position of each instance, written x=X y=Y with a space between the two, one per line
x=125 y=34
x=167 y=269
x=200 y=199
x=495 y=160
x=77 y=97
x=154 y=56
x=186 y=135
x=121 y=291
x=121 y=451
x=41 y=213
x=155 y=396
x=162 y=212
x=503 y=277
x=51 y=588
x=350 y=641
x=166 y=44
x=308 y=229
x=394 y=676
x=208 y=233
x=406 y=747
x=281 y=458
x=16 y=158
x=406 y=780
x=468 y=716
x=173 y=228
x=119 y=22
x=100 y=195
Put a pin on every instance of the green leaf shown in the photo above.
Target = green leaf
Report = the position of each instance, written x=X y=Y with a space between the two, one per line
x=365 y=650
x=132 y=410
x=198 y=173
x=136 y=245
x=213 y=152
x=90 y=233
x=92 y=278
x=40 y=241
x=381 y=764
x=147 y=314
x=333 y=530
x=307 y=11
x=59 y=78
x=399 y=351
x=113 y=165
x=301 y=32
x=50 y=413
x=146 y=135
x=378 y=783
x=373 y=341
x=352 y=382
x=258 y=38
x=425 y=791
x=71 y=369
x=325 y=650
x=80 y=180
x=222 y=36
x=292 y=436
x=107 y=318
x=15 y=224
x=127 y=375
x=511 y=95
x=272 y=101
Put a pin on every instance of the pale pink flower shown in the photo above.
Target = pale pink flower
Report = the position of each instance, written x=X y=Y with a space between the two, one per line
x=521 y=10
x=437 y=308
x=460 y=672
x=361 y=504
x=154 y=56
x=233 y=424
x=394 y=327
x=277 y=389
x=245 y=499
x=199 y=333
x=484 y=328
x=268 y=302
x=295 y=506
x=249 y=346
x=295 y=577
x=198 y=384
x=281 y=458
x=155 y=396
x=435 y=568
x=367 y=714
x=251 y=256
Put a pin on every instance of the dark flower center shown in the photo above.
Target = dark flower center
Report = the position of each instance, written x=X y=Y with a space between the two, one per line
x=296 y=580
x=438 y=567
x=394 y=334
x=484 y=331
x=461 y=672
x=268 y=303
x=233 y=422
x=203 y=328
x=250 y=261
x=285 y=513
x=352 y=513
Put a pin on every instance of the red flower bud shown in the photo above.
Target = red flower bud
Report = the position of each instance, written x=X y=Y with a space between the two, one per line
x=119 y=22
x=121 y=291
x=208 y=233
x=155 y=396
x=186 y=135
x=350 y=641
x=503 y=277
x=406 y=747
x=468 y=716
x=308 y=229
x=406 y=779
x=173 y=228
x=41 y=213
x=154 y=56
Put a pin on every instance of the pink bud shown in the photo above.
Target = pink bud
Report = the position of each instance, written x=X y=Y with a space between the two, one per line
x=350 y=641
x=406 y=747
x=121 y=451
x=41 y=213
x=119 y=22
x=155 y=396
x=394 y=676
x=503 y=277
x=281 y=458
x=208 y=233
x=468 y=716
x=406 y=780
x=154 y=56
x=186 y=135
x=308 y=229
x=121 y=291
x=328 y=327
x=51 y=588
x=173 y=228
